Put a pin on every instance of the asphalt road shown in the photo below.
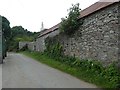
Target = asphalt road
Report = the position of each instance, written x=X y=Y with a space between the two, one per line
x=20 y=71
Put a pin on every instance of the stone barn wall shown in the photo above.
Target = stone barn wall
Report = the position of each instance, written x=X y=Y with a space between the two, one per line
x=40 y=42
x=22 y=44
x=97 y=38
x=31 y=46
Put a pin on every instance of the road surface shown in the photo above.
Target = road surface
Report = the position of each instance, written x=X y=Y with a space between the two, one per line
x=20 y=71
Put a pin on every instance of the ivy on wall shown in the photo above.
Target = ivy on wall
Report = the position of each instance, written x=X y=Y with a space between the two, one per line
x=53 y=47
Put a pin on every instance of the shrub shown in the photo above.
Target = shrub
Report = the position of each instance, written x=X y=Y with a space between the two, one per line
x=90 y=70
x=71 y=23
x=53 y=48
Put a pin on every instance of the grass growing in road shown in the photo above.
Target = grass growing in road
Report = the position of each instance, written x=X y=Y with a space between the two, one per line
x=88 y=71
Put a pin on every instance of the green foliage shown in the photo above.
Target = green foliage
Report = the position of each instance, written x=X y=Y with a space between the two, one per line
x=112 y=75
x=23 y=38
x=3 y=47
x=15 y=34
x=89 y=70
x=6 y=27
x=53 y=47
x=6 y=31
x=71 y=23
x=13 y=46
x=18 y=33
x=108 y=77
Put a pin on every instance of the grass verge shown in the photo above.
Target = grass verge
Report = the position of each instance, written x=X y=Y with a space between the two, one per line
x=106 y=78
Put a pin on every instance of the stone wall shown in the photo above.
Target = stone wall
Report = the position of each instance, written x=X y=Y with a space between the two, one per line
x=119 y=36
x=98 y=37
x=31 y=46
x=40 y=42
x=22 y=44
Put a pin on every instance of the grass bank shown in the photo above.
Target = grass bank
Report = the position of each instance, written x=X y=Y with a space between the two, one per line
x=86 y=70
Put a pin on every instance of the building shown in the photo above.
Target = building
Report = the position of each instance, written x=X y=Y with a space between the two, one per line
x=100 y=34
x=40 y=41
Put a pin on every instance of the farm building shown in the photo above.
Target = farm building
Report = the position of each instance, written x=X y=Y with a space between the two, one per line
x=98 y=39
x=100 y=34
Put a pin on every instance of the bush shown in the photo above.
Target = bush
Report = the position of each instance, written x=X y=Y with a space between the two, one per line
x=71 y=23
x=89 y=70
x=53 y=48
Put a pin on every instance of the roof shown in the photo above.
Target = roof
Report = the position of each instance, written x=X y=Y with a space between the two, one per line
x=50 y=30
x=41 y=32
x=91 y=9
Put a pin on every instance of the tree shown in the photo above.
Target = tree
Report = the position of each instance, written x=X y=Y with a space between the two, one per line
x=18 y=33
x=6 y=31
x=6 y=28
x=71 y=23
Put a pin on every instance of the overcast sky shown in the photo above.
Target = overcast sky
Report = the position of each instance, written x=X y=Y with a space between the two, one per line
x=30 y=13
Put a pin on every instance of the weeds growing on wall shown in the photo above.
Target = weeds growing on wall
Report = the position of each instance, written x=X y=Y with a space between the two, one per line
x=72 y=22
x=53 y=47
x=89 y=70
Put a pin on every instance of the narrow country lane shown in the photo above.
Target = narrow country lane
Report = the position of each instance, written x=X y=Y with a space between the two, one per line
x=20 y=71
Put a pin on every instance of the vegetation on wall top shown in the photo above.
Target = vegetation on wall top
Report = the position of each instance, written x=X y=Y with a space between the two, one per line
x=71 y=23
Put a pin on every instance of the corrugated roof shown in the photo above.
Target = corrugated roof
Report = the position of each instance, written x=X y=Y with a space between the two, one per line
x=91 y=9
